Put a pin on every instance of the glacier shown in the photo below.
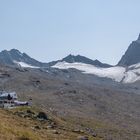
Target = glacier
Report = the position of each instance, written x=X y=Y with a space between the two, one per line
x=122 y=74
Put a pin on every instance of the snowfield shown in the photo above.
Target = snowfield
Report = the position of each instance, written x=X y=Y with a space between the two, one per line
x=130 y=74
x=25 y=65
x=116 y=73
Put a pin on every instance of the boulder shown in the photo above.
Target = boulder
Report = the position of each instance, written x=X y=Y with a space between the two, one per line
x=42 y=115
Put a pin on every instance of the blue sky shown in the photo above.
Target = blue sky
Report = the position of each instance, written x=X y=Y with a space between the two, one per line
x=51 y=29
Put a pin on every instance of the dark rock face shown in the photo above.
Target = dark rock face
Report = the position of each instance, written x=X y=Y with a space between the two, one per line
x=42 y=115
x=81 y=59
x=9 y=57
x=132 y=55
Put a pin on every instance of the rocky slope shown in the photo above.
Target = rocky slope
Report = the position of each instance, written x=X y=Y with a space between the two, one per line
x=108 y=111
x=23 y=124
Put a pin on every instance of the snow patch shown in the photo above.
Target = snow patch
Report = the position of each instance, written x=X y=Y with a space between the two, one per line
x=25 y=65
x=135 y=66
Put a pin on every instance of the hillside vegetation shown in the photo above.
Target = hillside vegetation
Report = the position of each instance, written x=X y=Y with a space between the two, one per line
x=19 y=124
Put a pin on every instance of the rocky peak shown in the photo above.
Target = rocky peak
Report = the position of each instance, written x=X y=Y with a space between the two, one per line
x=138 y=37
x=14 y=55
x=82 y=59
x=132 y=55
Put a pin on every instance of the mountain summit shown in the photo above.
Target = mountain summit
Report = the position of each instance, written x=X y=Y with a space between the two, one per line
x=81 y=59
x=138 y=38
x=15 y=57
x=132 y=55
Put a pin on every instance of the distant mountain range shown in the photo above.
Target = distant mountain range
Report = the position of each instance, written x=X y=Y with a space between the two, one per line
x=126 y=71
x=15 y=57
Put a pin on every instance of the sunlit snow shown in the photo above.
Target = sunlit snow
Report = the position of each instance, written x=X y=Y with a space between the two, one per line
x=116 y=73
x=25 y=65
